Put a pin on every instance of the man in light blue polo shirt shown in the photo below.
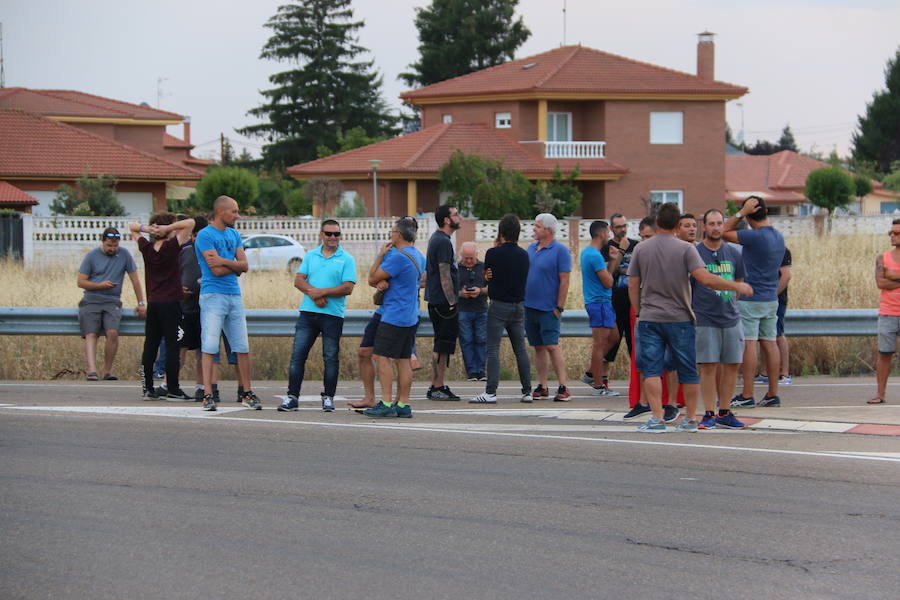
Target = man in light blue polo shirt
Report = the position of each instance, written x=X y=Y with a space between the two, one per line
x=325 y=277
x=545 y=299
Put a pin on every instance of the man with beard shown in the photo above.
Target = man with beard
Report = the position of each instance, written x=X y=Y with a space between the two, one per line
x=441 y=294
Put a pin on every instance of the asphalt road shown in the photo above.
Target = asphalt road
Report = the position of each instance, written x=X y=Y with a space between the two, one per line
x=250 y=504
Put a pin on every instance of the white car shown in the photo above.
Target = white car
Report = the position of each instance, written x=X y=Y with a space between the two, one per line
x=268 y=251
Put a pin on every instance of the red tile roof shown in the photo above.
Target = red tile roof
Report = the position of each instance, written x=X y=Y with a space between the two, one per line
x=170 y=141
x=11 y=195
x=68 y=103
x=33 y=146
x=574 y=69
x=425 y=151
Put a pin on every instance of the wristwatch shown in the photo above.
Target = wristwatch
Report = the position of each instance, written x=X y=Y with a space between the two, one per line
x=141 y=303
x=560 y=309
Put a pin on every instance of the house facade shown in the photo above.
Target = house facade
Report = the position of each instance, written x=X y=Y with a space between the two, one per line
x=640 y=134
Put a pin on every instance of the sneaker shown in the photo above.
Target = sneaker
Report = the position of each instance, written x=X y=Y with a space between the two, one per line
x=159 y=375
x=381 y=411
x=327 y=403
x=403 y=412
x=562 y=394
x=198 y=394
x=484 y=398
x=290 y=403
x=588 y=379
x=785 y=380
x=604 y=390
x=687 y=426
x=527 y=398
x=761 y=379
x=708 y=421
x=482 y=377
x=728 y=421
x=638 y=410
x=472 y=378
x=215 y=396
x=652 y=426
x=740 y=402
x=250 y=400
x=209 y=403
x=178 y=394
x=442 y=393
x=768 y=400
x=540 y=392
x=149 y=394
x=670 y=413
x=240 y=395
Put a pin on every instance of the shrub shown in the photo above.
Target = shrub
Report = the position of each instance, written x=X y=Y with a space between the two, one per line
x=238 y=183
x=91 y=197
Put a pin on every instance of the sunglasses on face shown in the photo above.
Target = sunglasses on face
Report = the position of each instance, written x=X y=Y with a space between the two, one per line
x=112 y=236
x=332 y=233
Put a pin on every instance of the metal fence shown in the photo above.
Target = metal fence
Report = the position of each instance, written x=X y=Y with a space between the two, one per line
x=280 y=323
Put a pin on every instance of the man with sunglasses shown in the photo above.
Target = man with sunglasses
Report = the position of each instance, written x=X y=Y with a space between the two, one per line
x=100 y=311
x=887 y=278
x=326 y=277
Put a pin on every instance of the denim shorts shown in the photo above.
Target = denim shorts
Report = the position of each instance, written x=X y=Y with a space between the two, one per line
x=601 y=314
x=541 y=327
x=223 y=313
x=655 y=338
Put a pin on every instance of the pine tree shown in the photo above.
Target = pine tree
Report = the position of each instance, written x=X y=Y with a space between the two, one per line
x=878 y=135
x=329 y=91
x=787 y=141
x=457 y=37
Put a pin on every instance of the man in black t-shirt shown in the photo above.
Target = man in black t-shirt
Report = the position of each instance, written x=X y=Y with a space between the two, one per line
x=441 y=294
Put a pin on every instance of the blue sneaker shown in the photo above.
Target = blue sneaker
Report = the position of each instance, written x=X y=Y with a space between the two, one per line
x=289 y=403
x=769 y=401
x=708 y=421
x=403 y=412
x=687 y=426
x=740 y=402
x=381 y=411
x=761 y=379
x=670 y=413
x=652 y=426
x=728 y=421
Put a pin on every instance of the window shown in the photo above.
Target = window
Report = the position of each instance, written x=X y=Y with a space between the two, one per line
x=666 y=128
x=502 y=120
x=559 y=127
x=658 y=197
x=446 y=118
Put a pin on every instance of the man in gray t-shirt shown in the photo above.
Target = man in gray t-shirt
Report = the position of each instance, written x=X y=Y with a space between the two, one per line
x=100 y=276
x=660 y=292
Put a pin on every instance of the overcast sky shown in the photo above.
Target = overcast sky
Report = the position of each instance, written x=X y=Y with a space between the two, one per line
x=812 y=64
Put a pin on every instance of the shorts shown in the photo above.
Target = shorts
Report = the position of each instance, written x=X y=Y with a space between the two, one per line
x=720 y=344
x=189 y=331
x=99 y=317
x=888 y=330
x=655 y=338
x=392 y=341
x=368 y=338
x=541 y=327
x=758 y=319
x=601 y=314
x=223 y=313
x=445 y=321
x=779 y=323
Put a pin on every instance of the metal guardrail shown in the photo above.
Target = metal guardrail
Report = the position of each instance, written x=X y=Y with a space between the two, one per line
x=280 y=323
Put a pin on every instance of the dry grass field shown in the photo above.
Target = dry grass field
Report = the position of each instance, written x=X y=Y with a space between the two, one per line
x=828 y=272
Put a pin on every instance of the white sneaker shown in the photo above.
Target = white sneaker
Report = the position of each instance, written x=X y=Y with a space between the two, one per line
x=785 y=380
x=484 y=398
x=604 y=391
x=526 y=397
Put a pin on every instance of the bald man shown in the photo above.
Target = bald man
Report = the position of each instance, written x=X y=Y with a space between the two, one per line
x=220 y=253
x=472 y=312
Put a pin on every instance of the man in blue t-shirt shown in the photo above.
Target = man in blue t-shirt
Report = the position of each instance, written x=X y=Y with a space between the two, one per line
x=763 y=251
x=545 y=300
x=220 y=253
x=396 y=332
x=596 y=286
x=326 y=277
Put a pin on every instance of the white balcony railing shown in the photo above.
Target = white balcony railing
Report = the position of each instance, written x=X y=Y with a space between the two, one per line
x=574 y=149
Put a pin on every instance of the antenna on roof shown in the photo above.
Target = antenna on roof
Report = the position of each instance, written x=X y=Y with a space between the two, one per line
x=2 y=72
x=564 y=23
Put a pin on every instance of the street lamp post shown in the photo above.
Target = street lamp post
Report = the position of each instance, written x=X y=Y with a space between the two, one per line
x=375 y=162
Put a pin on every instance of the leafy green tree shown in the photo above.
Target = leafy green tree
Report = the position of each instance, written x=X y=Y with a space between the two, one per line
x=238 y=183
x=353 y=209
x=563 y=190
x=862 y=186
x=327 y=90
x=355 y=137
x=274 y=191
x=91 y=197
x=892 y=181
x=503 y=191
x=762 y=147
x=457 y=37
x=787 y=141
x=461 y=175
x=830 y=188
x=878 y=135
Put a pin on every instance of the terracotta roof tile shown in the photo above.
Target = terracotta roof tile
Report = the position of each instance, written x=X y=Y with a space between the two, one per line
x=69 y=103
x=170 y=141
x=11 y=195
x=574 y=69
x=33 y=146
x=425 y=151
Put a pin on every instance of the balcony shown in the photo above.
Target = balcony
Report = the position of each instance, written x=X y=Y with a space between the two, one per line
x=576 y=150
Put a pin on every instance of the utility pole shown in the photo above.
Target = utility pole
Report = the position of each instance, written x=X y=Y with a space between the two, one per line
x=564 y=23
x=2 y=72
x=222 y=149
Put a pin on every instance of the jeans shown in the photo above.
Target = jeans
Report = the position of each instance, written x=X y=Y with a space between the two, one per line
x=472 y=340
x=507 y=316
x=309 y=326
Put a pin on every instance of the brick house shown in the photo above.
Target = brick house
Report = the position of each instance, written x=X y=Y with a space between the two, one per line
x=639 y=133
x=51 y=137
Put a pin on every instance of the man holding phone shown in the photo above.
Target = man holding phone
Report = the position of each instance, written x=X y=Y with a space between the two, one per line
x=472 y=312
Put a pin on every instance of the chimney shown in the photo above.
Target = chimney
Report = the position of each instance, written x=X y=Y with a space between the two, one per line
x=187 y=129
x=706 y=56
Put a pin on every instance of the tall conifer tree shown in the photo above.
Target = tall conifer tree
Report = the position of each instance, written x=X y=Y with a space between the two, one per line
x=328 y=91
x=878 y=136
